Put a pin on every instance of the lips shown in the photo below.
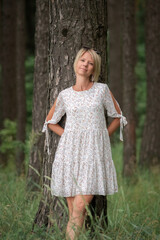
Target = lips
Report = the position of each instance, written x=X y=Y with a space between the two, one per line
x=83 y=69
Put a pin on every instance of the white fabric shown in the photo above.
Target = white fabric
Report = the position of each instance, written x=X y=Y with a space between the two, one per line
x=58 y=113
x=83 y=161
x=111 y=111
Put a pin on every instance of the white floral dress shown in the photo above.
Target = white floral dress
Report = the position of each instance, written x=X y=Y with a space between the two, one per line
x=83 y=160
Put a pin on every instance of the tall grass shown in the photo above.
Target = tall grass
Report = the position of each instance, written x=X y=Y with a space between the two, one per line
x=133 y=212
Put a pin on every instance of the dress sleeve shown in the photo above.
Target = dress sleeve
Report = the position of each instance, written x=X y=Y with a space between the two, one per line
x=57 y=115
x=111 y=110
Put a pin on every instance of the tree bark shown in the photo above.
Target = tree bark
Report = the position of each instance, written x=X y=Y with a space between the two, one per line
x=150 y=146
x=115 y=10
x=72 y=25
x=129 y=83
x=39 y=94
x=20 y=78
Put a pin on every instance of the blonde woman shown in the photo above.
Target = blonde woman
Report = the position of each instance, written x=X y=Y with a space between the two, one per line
x=83 y=165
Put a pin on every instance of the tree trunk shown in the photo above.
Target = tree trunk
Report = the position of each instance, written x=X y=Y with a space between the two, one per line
x=39 y=94
x=9 y=106
x=20 y=77
x=72 y=25
x=115 y=9
x=1 y=123
x=8 y=63
x=129 y=83
x=150 y=146
x=30 y=25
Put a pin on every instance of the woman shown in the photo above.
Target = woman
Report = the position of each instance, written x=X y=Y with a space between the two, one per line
x=83 y=165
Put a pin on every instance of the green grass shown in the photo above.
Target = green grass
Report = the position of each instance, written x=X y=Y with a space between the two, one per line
x=133 y=212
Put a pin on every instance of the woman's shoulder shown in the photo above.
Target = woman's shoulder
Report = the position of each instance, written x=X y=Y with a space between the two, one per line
x=101 y=86
x=64 y=92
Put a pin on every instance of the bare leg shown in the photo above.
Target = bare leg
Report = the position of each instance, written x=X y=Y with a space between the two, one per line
x=77 y=215
x=70 y=205
x=70 y=208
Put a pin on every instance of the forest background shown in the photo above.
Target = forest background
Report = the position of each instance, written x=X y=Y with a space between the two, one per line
x=133 y=213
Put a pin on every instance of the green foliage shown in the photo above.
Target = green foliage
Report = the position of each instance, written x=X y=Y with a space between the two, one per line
x=9 y=144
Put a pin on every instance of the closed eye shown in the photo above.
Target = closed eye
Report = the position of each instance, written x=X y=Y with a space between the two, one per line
x=89 y=62
x=84 y=60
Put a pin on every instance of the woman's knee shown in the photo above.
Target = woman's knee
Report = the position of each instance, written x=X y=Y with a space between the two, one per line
x=79 y=206
x=80 y=203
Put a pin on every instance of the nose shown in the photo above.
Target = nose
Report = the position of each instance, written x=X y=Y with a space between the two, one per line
x=85 y=63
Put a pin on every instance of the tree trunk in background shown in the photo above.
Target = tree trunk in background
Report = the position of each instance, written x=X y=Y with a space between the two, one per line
x=30 y=25
x=129 y=83
x=8 y=63
x=20 y=78
x=72 y=25
x=39 y=93
x=1 y=123
x=115 y=10
x=9 y=106
x=150 y=146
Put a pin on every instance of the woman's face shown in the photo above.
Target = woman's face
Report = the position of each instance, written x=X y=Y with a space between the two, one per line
x=85 y=65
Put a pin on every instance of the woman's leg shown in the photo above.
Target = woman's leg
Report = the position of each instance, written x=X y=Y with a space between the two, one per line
x=70 y=208
x=77 y=216
x=70 y=205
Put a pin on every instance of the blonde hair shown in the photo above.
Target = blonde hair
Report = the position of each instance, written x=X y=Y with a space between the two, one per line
x=97 y=62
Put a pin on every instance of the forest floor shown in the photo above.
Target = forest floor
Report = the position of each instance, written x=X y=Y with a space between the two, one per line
x=133 y=212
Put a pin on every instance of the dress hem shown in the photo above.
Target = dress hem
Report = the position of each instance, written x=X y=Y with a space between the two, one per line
x=73 y=195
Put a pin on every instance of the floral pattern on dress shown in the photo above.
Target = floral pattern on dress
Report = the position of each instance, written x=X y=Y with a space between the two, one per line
x=83 y=160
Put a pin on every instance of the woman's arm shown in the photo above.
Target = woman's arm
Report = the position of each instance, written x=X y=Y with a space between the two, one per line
x=54 y=127
x=116 y=122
